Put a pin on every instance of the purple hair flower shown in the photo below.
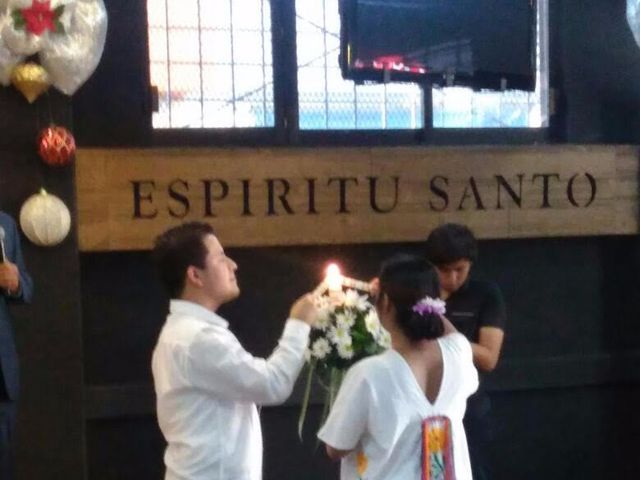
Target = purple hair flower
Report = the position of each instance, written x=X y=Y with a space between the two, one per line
x=429 y=305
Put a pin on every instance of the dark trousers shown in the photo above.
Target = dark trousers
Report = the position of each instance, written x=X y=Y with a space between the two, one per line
x=7 y=430
x=478 y=427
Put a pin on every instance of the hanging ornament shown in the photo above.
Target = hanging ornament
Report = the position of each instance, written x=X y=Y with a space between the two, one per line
x=67 y=35
x=45 y=219
x=31 y=80
x=56 y=145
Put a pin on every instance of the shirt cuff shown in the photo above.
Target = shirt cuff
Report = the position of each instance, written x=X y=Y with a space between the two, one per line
x=296 y=329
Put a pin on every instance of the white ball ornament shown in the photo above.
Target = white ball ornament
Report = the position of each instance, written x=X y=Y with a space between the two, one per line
x=45 y=219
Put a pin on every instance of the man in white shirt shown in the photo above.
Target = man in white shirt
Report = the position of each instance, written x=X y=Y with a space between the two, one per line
x=207 y=386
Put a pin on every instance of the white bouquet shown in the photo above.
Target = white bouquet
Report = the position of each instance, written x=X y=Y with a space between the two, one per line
x=348 y=330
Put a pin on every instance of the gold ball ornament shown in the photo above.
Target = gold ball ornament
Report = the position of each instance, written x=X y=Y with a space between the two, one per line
x=45 y=219
x=31 y=80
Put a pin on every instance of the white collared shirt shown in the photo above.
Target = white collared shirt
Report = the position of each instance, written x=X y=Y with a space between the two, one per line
x=207 y=387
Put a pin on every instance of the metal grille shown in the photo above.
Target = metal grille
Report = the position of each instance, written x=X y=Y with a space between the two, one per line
x=211 y=62
x=326 y=100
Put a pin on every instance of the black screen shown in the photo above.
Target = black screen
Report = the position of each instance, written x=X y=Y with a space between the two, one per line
x=478 y=43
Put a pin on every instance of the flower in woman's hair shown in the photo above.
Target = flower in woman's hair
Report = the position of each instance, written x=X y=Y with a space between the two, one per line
x=353 y=299
x=345 y=350
x=321 y=348
x=429 y=305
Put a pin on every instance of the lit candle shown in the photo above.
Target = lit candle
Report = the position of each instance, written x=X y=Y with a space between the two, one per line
x=334 y=281
x=334 y=278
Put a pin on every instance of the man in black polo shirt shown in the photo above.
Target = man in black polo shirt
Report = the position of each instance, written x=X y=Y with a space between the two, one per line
x=476 y=309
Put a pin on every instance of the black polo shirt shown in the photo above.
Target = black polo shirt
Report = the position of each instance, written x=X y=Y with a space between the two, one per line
x=476 y=304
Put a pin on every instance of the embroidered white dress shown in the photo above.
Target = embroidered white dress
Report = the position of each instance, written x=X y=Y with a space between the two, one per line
x=379 y=410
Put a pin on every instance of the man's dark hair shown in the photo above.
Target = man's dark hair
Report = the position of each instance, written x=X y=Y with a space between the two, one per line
x=405 y=280
x=177 y=249
x=449 y=243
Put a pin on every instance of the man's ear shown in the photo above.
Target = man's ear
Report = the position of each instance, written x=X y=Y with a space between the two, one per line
x=193 y=276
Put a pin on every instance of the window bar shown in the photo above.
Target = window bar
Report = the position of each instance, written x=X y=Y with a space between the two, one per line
x=355 y=105
x=200 y=66
x=543 y=60
x=233 y=63
x=166 y=29
x=385 y=109
x=326 y=72
x=264 y=68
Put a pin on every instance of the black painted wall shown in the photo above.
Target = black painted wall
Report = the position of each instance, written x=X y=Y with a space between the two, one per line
x=50 y=435
x=564 y=393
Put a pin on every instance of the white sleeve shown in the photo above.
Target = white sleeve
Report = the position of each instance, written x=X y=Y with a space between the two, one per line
x=347 y=420
x=222 y=366
x=462 y=349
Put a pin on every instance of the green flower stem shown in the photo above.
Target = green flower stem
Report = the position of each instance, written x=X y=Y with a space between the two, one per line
x=305 y=397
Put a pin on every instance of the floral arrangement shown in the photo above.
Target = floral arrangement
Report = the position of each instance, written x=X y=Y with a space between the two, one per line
x=347 y=330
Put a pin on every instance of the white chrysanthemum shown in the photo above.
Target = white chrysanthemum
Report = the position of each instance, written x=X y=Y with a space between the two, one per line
x=323 y=320
x=345 y=351
x=321 y=348
x=339 y=335
x=353 y=299
x=384 y=339
x=372 y=322
x=346 y=319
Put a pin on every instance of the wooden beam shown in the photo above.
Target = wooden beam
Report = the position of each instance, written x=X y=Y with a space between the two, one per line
x=302 y=196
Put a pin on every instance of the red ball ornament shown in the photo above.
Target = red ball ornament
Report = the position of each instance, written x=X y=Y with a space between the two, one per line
x=56 y=145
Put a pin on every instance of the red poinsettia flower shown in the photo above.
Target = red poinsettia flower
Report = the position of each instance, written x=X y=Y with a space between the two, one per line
x=39 y=17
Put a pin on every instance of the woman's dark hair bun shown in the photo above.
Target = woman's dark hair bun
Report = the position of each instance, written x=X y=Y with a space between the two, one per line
x=420 y=326
x=405 y=280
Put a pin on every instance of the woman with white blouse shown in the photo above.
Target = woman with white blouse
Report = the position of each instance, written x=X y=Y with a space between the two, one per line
x=400 y=412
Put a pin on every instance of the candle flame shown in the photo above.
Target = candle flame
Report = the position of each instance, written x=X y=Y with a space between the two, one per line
x=333 y=277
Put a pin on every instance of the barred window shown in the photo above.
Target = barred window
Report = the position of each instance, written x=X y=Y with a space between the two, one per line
x=325 y=99
x=329 y=102
x=212 y=65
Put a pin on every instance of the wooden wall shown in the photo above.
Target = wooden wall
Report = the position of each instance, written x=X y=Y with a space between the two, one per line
x=279 y=196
